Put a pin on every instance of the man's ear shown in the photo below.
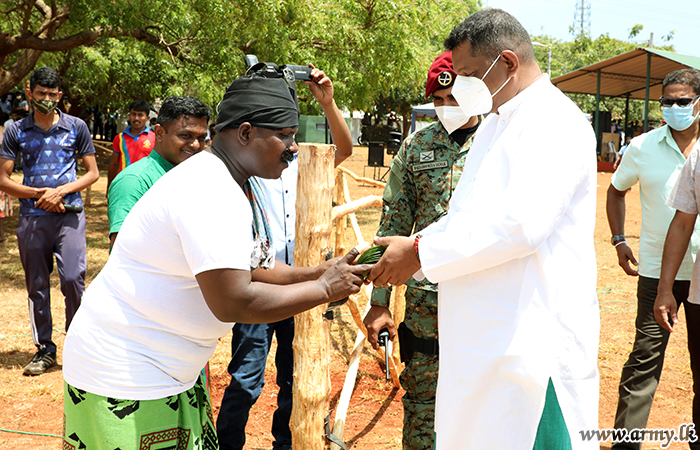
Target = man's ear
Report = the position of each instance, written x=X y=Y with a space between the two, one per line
x=245 y=132
x=159 y=131
x=512 y=61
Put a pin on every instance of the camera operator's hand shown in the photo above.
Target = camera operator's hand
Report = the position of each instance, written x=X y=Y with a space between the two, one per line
x=321 y=87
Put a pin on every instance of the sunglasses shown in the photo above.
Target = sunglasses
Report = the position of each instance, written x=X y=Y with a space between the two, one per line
x=668 y=102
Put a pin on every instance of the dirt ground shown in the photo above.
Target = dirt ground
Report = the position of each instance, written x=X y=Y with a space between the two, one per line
x=31 y=407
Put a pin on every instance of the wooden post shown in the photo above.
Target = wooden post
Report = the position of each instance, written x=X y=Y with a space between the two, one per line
x=340 y=224
x=311 y=387
x=398 y=311
x=88 y=196
x=349 y=385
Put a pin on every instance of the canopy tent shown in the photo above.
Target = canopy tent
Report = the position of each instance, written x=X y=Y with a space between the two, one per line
x=420 y=111
x=637 y=74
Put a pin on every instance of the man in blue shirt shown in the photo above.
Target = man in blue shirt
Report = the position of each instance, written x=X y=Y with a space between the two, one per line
x=250 y=343
x=50 y=143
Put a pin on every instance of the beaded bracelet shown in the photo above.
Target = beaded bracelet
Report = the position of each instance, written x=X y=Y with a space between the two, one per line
x=415 y=245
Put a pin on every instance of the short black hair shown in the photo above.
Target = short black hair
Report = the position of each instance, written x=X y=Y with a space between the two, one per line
x=46 y=77
x=687 y=77
x=174 y=107
x=491 y=31
x=140 y=105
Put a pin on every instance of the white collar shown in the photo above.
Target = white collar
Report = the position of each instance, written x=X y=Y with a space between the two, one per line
x=508 y=108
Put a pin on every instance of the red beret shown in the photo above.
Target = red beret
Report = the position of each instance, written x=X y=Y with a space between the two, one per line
x=441 y=75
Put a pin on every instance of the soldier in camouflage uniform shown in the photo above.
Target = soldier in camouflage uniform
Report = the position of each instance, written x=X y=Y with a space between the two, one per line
x=423 y=175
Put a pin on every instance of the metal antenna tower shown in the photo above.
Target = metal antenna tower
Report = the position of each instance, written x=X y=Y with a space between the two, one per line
x=582 y=18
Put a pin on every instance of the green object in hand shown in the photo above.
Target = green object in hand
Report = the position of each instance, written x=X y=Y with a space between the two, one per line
x=371 y=255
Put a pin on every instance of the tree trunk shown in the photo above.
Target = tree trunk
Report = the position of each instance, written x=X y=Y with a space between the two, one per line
x=311 y=387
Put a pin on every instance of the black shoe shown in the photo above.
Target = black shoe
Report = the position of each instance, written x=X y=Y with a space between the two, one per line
x=41 y=361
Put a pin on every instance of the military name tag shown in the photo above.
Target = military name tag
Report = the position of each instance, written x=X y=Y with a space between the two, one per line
x=430 y=165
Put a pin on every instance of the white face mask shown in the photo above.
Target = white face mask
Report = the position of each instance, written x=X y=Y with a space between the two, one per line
x=473 y=95
x=452 y=117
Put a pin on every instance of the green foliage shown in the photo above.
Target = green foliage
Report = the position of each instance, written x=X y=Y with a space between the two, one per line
x=635 y=30
x=584 y=51
x=375 y=51
x=371 y=255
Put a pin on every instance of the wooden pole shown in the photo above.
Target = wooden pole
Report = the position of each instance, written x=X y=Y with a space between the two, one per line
x=311 y=387
x=398 y=311
x=348 y=386
x=362 y=179
x=356 y=205
x=341 y=223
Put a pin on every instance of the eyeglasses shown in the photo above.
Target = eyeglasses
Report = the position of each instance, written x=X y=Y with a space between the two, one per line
x=668 y=102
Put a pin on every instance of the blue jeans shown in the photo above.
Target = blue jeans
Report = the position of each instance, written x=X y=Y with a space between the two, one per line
x=250 y=345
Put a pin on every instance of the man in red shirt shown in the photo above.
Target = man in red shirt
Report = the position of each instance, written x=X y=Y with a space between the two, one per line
x=134 y=143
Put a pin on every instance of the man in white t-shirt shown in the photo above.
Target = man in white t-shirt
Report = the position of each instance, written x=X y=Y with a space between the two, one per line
x=179 y=276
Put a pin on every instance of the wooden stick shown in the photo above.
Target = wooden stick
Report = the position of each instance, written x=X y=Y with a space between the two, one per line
x=88 y=196
x=362 y=179
x=398 y=311
x=341 y=223
x=356 y=205
x=311 y=387
x=348 y=386
x=354 y=307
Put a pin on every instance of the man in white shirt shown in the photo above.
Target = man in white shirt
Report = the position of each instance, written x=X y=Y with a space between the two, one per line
x=655 y=159
x=514 y=256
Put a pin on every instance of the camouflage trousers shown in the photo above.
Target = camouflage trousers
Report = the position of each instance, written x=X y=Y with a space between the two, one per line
x=419 y=378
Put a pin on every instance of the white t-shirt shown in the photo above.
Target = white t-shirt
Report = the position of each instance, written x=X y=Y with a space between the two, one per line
x=144 y=330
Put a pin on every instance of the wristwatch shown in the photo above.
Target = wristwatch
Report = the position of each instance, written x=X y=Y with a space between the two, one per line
x=617 y=238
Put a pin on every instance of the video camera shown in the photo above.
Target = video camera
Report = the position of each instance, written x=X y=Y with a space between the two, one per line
x=291 y=72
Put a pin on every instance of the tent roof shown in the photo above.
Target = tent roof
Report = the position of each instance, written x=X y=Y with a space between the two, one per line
x=626 y=74
x=427 y=109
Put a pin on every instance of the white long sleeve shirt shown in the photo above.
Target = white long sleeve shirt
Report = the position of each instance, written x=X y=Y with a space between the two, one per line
x=515 y=263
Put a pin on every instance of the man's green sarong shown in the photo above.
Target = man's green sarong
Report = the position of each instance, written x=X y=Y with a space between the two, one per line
x=182 y=422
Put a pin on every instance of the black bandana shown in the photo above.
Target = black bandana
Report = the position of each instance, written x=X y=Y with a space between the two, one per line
x=263 y=102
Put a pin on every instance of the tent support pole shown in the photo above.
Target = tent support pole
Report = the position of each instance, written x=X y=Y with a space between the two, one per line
x=597 y=113
x=646 y=96
x=627 y=117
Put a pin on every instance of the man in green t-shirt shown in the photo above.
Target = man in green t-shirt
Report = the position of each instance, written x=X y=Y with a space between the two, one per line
x=180 y=133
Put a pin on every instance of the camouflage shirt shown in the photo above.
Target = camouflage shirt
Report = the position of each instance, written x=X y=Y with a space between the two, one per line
x=423 y=175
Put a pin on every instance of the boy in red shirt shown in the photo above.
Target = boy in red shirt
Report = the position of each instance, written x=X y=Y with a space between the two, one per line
x=134 y=143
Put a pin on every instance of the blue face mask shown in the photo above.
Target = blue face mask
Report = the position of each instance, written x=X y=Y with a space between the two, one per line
x=680 y=118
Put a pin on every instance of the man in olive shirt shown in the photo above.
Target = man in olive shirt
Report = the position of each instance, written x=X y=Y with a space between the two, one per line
x=180 y=133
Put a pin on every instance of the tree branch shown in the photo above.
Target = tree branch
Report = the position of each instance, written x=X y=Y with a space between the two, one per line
x=85 y=37
x=28 y=15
